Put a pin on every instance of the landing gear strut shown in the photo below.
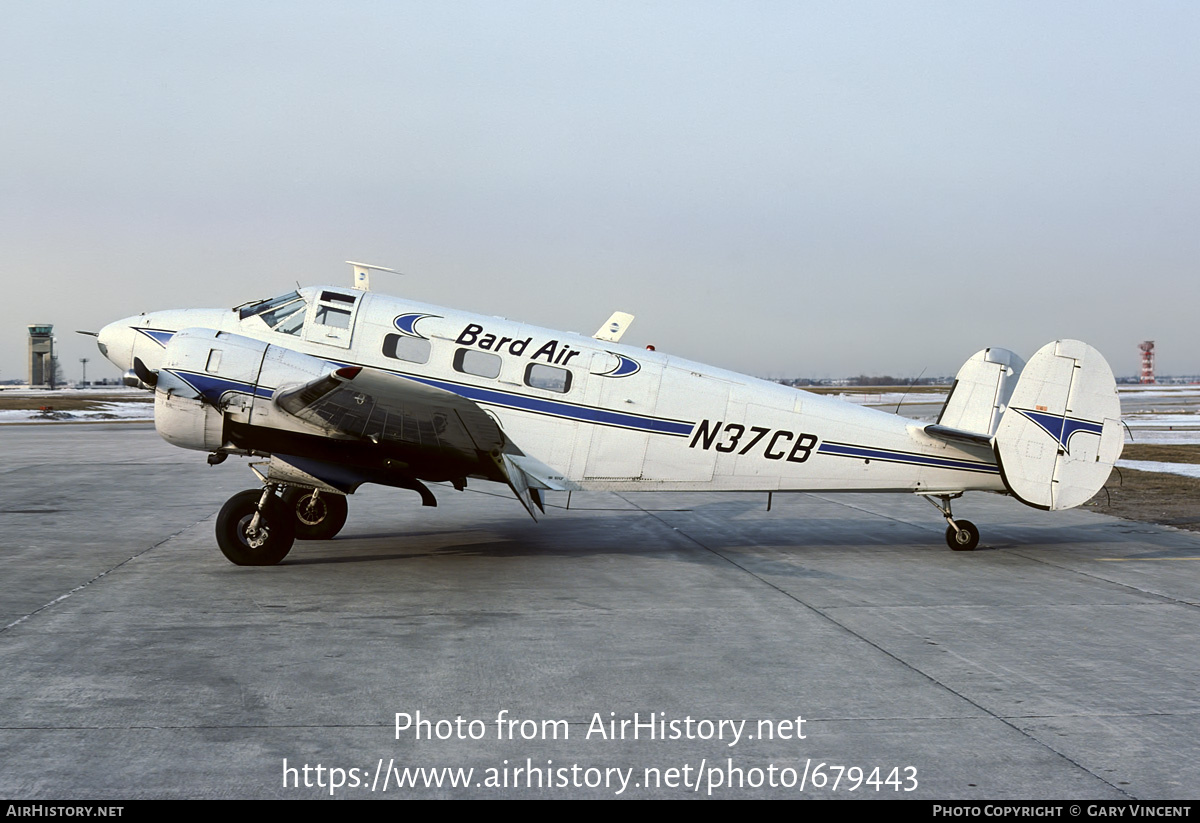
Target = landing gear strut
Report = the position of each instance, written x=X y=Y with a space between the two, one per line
x=256 y=528
x=961 y=535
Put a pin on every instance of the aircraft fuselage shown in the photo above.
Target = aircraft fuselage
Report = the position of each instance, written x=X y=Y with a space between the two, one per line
x=596 y=415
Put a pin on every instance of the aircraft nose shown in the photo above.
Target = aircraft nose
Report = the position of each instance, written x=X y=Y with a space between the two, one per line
x=115 y=342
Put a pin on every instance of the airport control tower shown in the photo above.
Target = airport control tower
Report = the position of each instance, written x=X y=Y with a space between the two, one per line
x=41 y=355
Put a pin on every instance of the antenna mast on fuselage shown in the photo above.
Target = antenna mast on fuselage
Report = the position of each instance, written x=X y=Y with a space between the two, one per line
x=362 y=274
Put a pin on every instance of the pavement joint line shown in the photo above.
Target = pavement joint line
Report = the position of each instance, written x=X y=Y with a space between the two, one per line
x=79 y=463
x=1009 y=537
x=1163 y=598
x=828 y=617
x=920 y=525
x=104 y=573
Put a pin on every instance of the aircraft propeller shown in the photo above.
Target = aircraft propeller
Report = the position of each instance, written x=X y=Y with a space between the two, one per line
x=146 y=375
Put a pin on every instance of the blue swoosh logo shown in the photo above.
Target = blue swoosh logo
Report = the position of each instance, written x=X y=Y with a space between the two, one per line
x=1061 y=428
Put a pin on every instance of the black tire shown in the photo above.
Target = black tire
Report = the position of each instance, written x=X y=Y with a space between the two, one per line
x=321 y=519
x=274 y=537
x=965 y=539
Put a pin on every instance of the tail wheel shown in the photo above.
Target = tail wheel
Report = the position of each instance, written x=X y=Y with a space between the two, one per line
x=318 y=516
x=247 y=541
x=965 y=539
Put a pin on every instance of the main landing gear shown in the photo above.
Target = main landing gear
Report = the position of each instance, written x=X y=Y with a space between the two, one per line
x=961 y=535
x=319 y=515
x=257 y=527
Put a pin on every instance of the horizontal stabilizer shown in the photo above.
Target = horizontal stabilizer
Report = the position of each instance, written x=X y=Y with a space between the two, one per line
x=958 y=435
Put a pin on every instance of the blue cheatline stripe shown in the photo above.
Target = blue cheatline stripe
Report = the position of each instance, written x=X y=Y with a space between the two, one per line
x=212 y=388
x=159 y=336
x=554 y=408
x=558 y=409
x=887 y=455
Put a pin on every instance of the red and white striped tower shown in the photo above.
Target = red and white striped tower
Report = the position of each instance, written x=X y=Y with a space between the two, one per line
x=1147 y=348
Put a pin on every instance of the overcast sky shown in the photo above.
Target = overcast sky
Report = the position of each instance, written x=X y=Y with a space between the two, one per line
x=810 y=189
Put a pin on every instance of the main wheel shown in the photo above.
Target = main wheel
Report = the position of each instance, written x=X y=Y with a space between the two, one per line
x=268 y=543
x=318 y=518
x=965 y=539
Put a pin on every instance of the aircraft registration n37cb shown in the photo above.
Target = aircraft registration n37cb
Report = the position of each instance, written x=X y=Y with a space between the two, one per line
x=335 y=387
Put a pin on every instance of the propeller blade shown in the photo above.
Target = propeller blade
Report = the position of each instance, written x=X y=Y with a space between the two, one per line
x=150 y=378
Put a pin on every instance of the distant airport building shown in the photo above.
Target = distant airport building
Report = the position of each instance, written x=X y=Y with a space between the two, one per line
x=41 y=355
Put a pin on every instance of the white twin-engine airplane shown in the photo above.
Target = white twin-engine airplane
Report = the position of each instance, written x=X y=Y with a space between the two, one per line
x=337 y=387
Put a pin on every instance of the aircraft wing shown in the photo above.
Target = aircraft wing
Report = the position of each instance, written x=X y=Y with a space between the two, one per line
x=388 y=409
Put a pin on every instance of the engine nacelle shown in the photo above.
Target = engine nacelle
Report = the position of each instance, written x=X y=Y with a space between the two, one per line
x=205 y=375
x=189 y=423
x=208 y=377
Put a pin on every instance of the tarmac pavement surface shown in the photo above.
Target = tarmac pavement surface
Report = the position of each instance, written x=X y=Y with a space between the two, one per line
x=1058 y=661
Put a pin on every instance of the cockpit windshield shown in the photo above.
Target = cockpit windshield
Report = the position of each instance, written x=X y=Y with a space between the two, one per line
x=283 y=314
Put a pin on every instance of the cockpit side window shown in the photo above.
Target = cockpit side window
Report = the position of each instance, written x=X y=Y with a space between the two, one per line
x=284 y=314
x=266 y=305
x=288 y=318
x=333 y=316
x=331 y=322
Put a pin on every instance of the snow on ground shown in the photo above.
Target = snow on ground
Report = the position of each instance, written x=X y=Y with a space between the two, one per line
x=1158 y=391
x=106 y=391
x=108 y=411
x=1163 y=438
x=1160 y=421
x=885 y=399
x=1185 y=469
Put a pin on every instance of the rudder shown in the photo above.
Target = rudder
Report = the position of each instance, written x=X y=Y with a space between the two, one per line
x=1061 y=433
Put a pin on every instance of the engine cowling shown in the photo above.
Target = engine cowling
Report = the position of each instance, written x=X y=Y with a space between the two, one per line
x=205 y=375
x=209 y=377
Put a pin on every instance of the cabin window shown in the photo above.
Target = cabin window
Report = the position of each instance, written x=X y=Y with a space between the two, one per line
x=331 y=316
x=478 y=363
x=412 y=349
x=549 y=378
